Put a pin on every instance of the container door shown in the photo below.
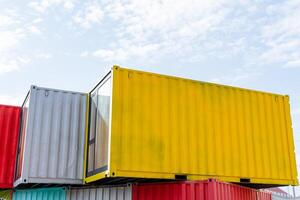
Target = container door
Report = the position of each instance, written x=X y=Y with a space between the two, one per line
x=20 y=150
x=99 y=128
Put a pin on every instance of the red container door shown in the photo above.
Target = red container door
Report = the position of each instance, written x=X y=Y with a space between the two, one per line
x=9 y=129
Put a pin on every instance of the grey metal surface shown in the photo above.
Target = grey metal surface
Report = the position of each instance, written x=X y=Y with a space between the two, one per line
x=278 y=197
x=54 y=137
x=100 y=193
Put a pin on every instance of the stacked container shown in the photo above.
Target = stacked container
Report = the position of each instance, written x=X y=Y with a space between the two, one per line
x=145 y=125
x=197 y=190
x=100 y=193
x=134 y=127
x=9 y=130
x=51 y=146
x=40 y=194
x=10 y=117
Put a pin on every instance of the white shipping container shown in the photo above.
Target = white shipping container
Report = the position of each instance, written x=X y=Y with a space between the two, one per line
x=51 y=143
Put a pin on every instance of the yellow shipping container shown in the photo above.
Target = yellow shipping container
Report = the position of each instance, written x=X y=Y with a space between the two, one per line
x=145 y=125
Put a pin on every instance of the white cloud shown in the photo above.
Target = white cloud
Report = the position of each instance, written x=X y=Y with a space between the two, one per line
x=196 y=30
x=37 y=20
x=292 y=64
x=92 y=14
x=36 y=6
x=34 y=29
x=296 y=112
x=281 y=34
x=23 y=60
x=128 y=51
x=44 y=5
x=11 y=99
x=189 y=31
x=9 y=61
x=109 y=55
x=11 y=36
x=43 y=55
x=177 y=27
x=5 y=20
x=84 y=54
x=238 y=75
x=142 y=18
x=69 y=5
x=8 y=65
x=8 y=40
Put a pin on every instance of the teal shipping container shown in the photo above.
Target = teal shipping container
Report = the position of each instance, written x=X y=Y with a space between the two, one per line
x=40 y=194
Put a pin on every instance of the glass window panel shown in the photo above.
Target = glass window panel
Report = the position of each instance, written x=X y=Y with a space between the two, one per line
x=93 y=116
x=22 y=137
x=99 y=127
x=102 y=127
x=91 y=157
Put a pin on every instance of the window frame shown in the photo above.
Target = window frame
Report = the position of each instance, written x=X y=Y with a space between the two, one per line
x=92 y=141
x=21 y=138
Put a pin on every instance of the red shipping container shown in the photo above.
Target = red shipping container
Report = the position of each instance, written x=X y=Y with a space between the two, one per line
x=196 y=190
x=9 y=128
x=264 y=196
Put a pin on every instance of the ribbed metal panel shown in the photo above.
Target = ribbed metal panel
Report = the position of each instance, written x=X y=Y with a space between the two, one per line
x=163 y=126
x=264 y=195
x=200 y=190
x=278 y=197
x=100 y=193
x=54 y=132
x=6 y=194
x=9 y=129
x=40 y=194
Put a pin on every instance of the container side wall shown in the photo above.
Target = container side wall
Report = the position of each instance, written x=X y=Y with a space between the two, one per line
x=278 y=197
x=103 y=193
x=5 y=194
x=198 y=190
x=54 y=149
x=9 y=129
x=224 y=191
x=165 y=126
x=40 y=194
x=163 y=192
x=261 y=195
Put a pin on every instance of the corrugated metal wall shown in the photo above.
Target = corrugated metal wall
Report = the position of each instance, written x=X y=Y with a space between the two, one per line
x=5 y=194
x=201 y=190
x=54 y=137
x=9 y=129
x=162 y=126
x=261 y=195
x=102 y=193
x=40 y=194
x=278 y=197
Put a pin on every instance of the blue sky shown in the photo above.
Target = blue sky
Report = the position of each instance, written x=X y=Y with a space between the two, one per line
x=71 y=44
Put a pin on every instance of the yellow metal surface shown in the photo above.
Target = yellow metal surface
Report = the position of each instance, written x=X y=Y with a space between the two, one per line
x=164 y=126
x=95 y=177
x=86 y=136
